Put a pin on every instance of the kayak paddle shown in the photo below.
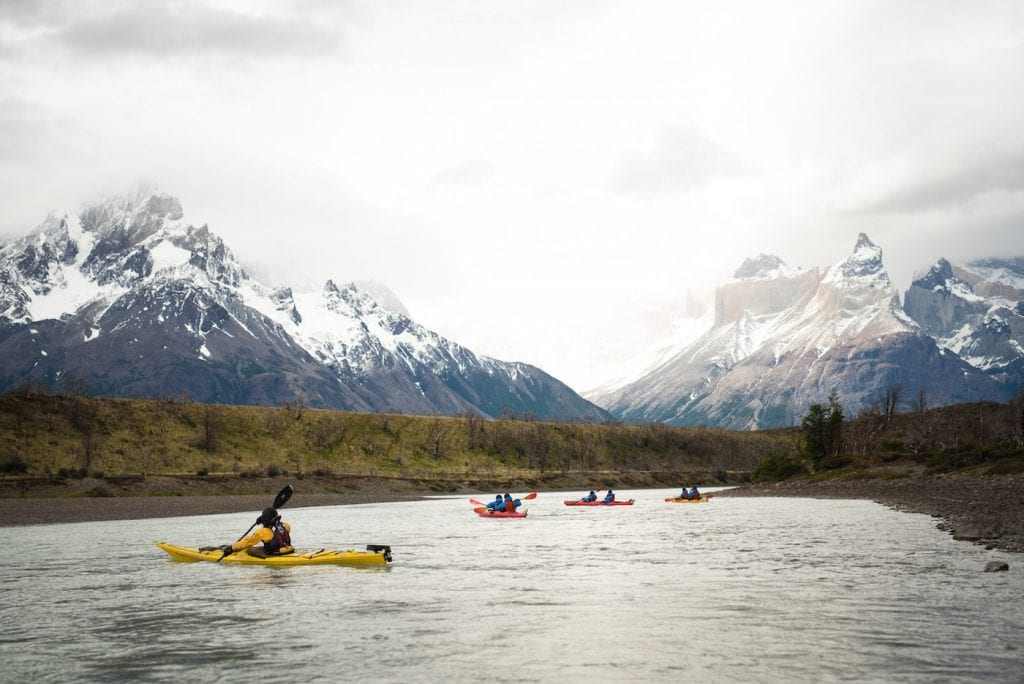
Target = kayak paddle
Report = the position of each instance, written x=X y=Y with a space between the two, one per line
x=280 y=500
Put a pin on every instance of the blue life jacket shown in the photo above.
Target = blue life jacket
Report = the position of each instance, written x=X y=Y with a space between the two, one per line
x=609 y=497
x=497 y=504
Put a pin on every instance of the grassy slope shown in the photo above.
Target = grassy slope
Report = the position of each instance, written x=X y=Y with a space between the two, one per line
x=45 y=436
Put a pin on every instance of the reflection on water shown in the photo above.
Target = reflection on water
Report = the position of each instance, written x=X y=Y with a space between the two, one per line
x=738 y=589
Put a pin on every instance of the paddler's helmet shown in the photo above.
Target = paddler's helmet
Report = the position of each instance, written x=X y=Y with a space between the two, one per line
x=508 y=496
x=268 y=517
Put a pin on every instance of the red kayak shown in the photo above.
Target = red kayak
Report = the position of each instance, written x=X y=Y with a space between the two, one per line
x=484 y=513
x=577 y=502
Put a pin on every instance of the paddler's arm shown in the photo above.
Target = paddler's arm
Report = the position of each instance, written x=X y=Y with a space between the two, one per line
x=260 y=535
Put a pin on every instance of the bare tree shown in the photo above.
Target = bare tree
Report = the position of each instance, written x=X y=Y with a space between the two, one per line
x=474 y=428
x=891 y=400
x=436 y=436
x=211 y=429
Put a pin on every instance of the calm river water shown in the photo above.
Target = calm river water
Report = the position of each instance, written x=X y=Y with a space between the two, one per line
x=741 y=589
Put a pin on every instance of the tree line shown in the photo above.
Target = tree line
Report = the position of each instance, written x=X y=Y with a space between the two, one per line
x=893 y=429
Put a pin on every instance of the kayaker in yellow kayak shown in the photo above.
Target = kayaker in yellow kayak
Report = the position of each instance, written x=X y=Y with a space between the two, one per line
x=275 y=535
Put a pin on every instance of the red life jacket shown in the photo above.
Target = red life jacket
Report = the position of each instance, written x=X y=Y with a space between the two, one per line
x=510 y=505
x=280 y=540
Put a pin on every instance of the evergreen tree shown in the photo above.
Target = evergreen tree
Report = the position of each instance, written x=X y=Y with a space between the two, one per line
x=822 y=429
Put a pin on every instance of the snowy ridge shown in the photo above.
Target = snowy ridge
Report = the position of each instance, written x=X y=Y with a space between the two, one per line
x=784 y=338
x=763 y=267
x=164 y=295
x=975 y=311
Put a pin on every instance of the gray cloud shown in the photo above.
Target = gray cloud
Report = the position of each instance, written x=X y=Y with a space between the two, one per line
x=179 y=29
x=24 y=131
x=1002 y=173
x=681 y=160
x=469 y=172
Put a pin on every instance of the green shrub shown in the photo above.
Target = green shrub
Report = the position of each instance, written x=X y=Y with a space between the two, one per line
x=776 y=466
x=13 y=464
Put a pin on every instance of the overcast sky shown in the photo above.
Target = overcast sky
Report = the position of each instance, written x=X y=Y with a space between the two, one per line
x=540 y=181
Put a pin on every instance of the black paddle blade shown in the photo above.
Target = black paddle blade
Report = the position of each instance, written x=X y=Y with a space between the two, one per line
x=282 y=496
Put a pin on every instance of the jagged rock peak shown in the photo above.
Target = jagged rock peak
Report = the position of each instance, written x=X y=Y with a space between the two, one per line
x=761 y=267
x=132 y=217
x=865 y=262
x=937 y=276
x=349 y=296
x=284 y=300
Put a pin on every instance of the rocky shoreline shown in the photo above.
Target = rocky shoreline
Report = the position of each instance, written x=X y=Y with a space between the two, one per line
x=987 y=510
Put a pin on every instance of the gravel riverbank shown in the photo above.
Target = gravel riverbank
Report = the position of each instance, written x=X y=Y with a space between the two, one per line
x=988 y=510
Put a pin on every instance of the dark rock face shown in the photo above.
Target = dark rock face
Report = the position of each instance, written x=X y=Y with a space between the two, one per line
x=169 y=311
x=934 y=305
x=975 y=311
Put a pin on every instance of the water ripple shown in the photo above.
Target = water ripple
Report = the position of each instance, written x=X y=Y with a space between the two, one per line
x=738 y=590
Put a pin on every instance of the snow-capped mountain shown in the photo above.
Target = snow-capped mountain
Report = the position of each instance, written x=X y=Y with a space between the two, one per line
x=131 y=299
x=975 y=311
x=783 y=338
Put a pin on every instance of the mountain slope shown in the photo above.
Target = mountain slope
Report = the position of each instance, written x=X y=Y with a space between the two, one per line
x=129 y=298
x=784 y=338
x=975 y=311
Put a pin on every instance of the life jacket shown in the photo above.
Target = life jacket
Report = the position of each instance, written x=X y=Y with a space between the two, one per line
x=280 y=540
x=510 y=505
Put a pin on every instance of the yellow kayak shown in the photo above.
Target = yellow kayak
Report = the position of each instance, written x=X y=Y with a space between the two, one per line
x=374 y=555
x=703 y=499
